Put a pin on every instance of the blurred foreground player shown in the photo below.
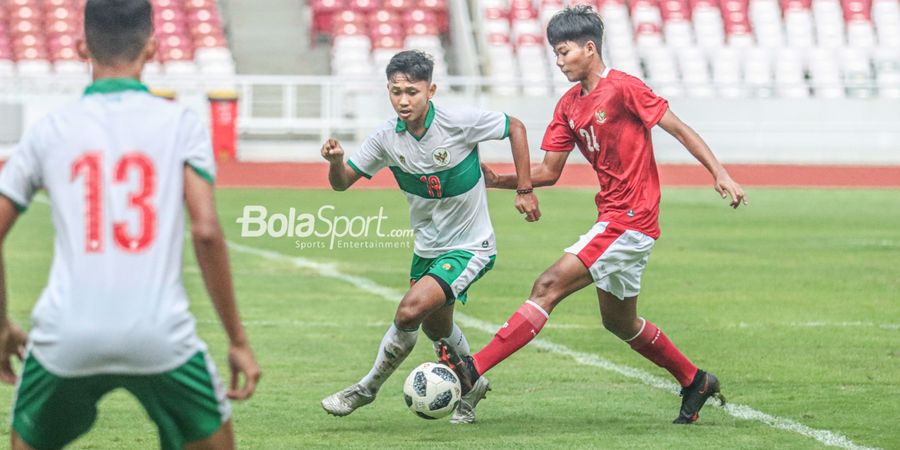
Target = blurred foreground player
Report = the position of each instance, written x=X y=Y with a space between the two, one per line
x=118 y=167
x=608 y=115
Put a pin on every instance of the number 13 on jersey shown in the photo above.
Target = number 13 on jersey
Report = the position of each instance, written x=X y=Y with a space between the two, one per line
x=89 y=168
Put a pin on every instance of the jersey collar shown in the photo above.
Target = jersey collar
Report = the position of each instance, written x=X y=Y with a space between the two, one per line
x=113 y=85
x=429 y=118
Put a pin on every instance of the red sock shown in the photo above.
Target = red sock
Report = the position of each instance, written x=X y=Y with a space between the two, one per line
x=654 y=345
x=519 y=330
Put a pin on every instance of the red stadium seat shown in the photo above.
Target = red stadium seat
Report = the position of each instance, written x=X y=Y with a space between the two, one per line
x=364 y=6
x=674 y=10
x=860 y=10
x=795 y=4
x=399 y=5
x=384 y=16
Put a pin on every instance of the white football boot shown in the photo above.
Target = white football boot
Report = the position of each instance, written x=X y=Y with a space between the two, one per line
x=344 y=402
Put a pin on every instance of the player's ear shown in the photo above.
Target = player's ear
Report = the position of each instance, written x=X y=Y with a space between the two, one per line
x=590 y=47
x=82 y=49
x=431 y=90
x=150 y=48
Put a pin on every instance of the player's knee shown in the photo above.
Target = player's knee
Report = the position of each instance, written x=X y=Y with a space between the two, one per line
x=546 y=291
x=409 y=315
x=622 y=328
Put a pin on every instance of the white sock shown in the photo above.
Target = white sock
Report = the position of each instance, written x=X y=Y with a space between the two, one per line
x=394 y=348
x=456 y=340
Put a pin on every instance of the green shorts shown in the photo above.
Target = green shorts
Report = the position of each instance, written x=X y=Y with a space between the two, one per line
x=187 y=403
x=455 y=271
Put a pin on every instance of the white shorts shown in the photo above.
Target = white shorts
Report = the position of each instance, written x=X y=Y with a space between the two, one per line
x=615 y=257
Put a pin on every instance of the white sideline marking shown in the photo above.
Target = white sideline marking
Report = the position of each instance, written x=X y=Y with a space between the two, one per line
x=826 y=437
x=744 y=412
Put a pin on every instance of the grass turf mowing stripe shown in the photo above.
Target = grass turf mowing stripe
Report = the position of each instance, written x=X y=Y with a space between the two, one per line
x=743 y=412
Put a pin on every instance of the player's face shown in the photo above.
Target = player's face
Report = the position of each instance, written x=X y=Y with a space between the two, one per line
x=410 y=98
x=574 y=60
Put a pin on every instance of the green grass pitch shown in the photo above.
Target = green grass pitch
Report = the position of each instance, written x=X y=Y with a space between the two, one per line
x=794 y=302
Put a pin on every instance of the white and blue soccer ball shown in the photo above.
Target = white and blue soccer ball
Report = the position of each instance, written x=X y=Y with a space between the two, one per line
x=432 y=391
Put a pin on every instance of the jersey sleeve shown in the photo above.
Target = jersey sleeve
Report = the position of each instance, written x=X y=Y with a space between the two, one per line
x=21 y=176
x=197 y=145
x=559 y=136
x=483 y=126
x=370 y=158
x=641 y=101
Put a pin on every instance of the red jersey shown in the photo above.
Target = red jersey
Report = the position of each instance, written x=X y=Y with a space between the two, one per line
x=611 y=125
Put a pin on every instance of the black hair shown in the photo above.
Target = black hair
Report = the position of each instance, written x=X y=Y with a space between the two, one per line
x=578 y=24
x=116 y=31
x=415 y=64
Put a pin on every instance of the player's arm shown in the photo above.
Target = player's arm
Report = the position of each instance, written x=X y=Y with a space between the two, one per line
x=12 y=338
x=526 y=201
x=694 y=144
x=546 y=173
x=340 y=174
x=212 y=257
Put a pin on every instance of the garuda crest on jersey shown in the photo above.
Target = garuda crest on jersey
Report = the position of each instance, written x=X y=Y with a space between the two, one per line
x=441 y=156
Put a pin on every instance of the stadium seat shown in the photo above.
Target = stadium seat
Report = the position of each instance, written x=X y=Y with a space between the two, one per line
x=727 y=73
x=765 y=18
x=372 y=31
x=789 y=75
x=887 y=72
x=825 y=74
x=695 y=72
x=758 y=71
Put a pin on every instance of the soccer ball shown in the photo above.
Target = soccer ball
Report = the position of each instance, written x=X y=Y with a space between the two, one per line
x=431 y=391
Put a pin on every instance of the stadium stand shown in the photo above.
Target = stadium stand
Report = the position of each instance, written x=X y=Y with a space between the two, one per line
x=746 y=48
x=364 y=34
x=38 y=38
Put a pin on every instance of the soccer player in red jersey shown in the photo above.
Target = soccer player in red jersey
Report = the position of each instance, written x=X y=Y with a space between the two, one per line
x=608 y=115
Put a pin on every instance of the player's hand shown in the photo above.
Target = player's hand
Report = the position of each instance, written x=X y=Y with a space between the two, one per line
x=528 y=204
x=12 y=343
x=491 y=178
x=242 y=362
x=332 y=151
x=726 y=187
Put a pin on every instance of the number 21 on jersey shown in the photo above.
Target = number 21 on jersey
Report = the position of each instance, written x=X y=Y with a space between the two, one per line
x=593 y=145
x=89 y=168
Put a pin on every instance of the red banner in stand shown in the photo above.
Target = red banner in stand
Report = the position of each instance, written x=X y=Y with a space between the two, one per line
x=223 y=121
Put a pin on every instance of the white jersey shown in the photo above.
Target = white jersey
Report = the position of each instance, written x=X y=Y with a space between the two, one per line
x=440 y=174
x=113 y=167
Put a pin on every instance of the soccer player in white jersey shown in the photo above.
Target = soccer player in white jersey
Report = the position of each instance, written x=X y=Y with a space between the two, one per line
x=118 y=166
x=433 y=154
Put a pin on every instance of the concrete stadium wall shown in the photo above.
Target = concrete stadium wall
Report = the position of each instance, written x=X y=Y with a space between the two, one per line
x=810 y=131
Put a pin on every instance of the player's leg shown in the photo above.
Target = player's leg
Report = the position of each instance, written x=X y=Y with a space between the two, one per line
x=456 y=272
x=17 y=443
x=617 y=273
x=620 y=318
x=423 y=298
x=223 y=439
x=564 y=277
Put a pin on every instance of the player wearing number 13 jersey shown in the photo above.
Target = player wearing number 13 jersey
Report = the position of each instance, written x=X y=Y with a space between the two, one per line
x=118 y=166
x=433 y=154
